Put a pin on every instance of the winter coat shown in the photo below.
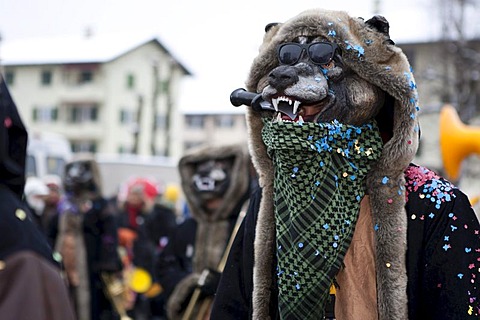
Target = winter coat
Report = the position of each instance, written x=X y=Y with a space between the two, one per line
x=31 y=285
x=442 y=259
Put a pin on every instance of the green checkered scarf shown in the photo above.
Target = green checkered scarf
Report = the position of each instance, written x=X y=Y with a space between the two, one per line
x=319 y=183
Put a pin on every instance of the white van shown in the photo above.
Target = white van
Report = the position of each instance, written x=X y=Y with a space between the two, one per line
x=47 y=154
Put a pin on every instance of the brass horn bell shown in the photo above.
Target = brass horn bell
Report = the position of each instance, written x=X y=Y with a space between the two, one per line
x=457 y=142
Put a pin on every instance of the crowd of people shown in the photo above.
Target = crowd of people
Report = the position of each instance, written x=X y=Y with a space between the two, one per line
x=135 y=255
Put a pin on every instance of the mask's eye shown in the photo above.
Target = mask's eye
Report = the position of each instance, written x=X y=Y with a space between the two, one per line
x=329 y=65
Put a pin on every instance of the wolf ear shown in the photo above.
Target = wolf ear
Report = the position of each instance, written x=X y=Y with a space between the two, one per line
x=380 y=24
x=270 y=26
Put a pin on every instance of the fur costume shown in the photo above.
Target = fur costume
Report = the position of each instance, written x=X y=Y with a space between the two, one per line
x=367 y=79
x=87 y=238
x=213 y=228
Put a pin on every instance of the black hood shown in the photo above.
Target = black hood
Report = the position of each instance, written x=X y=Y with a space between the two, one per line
x=13 y=143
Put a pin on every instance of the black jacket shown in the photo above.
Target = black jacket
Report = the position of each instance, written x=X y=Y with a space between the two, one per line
x=443 y=255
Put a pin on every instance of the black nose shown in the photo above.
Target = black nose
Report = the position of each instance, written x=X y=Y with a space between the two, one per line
x=283 y=77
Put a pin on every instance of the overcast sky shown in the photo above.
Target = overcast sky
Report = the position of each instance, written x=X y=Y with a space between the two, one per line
x=215 y=39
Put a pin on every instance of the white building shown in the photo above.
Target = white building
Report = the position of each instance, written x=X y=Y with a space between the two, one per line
x=105 y=94
x=214 y=128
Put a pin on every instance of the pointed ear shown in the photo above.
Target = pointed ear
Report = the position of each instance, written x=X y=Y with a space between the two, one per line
x=380 y=24
x=270 y=26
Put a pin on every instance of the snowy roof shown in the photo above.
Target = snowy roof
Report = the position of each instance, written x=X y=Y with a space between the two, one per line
x=74 y=49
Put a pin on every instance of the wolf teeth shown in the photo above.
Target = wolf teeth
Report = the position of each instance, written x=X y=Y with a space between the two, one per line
x=279 y=118
x=296 y=104
x=275 y=103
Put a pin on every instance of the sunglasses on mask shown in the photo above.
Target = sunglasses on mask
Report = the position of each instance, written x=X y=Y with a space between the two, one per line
x=318 y=52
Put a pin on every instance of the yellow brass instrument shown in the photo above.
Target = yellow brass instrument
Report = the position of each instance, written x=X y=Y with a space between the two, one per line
x=115 y=291
x=457 y=141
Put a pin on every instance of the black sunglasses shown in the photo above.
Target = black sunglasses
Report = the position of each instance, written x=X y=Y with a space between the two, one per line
x=318 y=52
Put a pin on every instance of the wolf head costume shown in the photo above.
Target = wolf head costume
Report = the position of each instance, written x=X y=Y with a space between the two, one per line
x=332 y=131
x=216 y=183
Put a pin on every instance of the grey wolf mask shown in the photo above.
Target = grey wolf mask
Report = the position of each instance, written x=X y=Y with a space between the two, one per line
x=368 y=78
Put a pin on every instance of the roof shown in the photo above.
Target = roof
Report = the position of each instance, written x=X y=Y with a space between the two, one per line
x=75 y=49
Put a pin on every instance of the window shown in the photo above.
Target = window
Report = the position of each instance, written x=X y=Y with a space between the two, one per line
x=192 y=144
x=81 y=113
x=46 y=78
x=45 y=114
x=86 y=76
x=130 y=81
x=195 y=121
x=55 y=165
x=84 y=146
x=127 y=116
x=31 y=166
x=79 y=74
x=224 y=121
x=9 y=77
x=161 y=121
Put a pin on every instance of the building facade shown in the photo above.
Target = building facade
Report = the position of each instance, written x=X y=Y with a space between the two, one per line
x=213 y=129
x=104 y=95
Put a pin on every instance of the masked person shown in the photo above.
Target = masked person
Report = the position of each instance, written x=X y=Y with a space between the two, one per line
x=31 y=286
x=36 y=192
x=340 y=203
x=216 y=184
x=87 y=240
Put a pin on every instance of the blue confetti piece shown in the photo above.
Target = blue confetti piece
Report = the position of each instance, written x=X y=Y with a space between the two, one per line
x=446 y=238
x=453 y=227
x=460 y=275
x=376 y=227
x=335 y=245
x=326 y=226
x=360 y=50
x=297 y=286
x=385 y=180
x=300 y=245
x=446 y=247
x=431 y=215
x=332 y=33
x=468 y=250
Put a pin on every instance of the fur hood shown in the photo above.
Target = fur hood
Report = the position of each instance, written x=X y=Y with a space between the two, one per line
x=236 y=190
x=213 y=229
x=367 y=50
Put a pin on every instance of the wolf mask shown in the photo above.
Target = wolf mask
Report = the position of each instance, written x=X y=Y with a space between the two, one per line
x=339 y=86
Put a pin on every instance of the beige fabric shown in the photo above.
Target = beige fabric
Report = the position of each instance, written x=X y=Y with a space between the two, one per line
x=356 y=296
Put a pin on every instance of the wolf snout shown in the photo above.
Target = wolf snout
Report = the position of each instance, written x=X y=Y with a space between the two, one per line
x=282 y=77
